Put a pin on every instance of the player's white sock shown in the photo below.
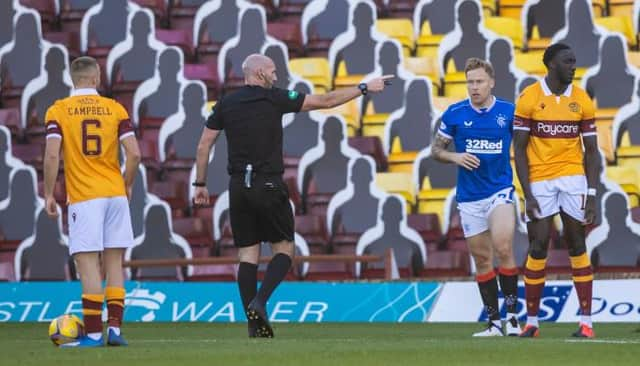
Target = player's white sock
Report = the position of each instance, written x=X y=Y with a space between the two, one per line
x=116 y=330
x=586 y=319
x=532 y=320
x=95 y=336
x=512 y=315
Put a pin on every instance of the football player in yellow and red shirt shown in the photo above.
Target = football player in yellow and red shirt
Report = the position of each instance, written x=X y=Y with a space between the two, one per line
x=89 y=130
x=554 y=123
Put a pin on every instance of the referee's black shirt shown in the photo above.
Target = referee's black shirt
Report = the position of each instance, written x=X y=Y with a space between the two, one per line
x=252 y=120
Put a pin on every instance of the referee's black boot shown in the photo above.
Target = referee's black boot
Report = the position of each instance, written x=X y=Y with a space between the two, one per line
x=256 y=312
x=252 y=328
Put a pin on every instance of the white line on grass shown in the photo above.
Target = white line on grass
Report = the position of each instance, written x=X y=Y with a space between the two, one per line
x=606 y=341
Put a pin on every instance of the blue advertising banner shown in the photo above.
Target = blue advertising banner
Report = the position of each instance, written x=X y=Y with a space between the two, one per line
x=220 y=302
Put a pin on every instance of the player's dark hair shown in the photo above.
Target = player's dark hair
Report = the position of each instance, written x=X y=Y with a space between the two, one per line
x=82 y=66
x=476 y=63
x=552 y=51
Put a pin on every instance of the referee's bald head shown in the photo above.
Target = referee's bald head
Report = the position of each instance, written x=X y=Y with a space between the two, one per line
x=255 y=62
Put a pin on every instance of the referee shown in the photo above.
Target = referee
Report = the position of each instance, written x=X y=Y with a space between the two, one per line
x=258 y=197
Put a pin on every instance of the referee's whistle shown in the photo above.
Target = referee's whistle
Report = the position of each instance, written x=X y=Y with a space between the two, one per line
x=247 y=176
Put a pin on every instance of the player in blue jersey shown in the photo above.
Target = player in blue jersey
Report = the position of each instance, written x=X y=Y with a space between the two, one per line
x=481 y=129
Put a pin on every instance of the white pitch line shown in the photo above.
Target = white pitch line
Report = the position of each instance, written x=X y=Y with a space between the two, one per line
x=605 y=341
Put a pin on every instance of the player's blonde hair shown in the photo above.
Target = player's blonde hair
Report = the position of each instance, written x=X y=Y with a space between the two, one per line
x=82 y=68
x=476 y=63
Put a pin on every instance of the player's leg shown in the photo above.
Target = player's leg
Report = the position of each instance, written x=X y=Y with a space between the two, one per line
x=277 y=269
x=88 y=266
x=574 y=234
x=85 y=244
x=247 y=278
x=118 y=236
x=476 y=232
x=275 y=226
x=114 y=294
x=246 y=238
x=481 y=251
x=501 y=226
x=534 y=273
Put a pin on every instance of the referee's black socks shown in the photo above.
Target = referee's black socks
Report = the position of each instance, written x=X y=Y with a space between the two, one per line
x=247 y=282
x=276 y=271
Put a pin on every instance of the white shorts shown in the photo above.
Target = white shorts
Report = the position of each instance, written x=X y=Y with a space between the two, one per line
x=98 y=224
x=566 y=193
x=474 y=215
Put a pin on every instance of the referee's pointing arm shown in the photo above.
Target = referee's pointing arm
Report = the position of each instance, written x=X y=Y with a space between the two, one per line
x=260 y=71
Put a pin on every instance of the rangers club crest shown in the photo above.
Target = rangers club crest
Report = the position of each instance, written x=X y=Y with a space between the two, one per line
x=501 y=120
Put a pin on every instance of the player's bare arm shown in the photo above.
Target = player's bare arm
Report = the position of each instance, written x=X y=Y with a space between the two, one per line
x=207 y=140
x=51 y=165
x=592 y=169
x=520 y=142
x=440 y=153
x=133 y=157
x=341 y=96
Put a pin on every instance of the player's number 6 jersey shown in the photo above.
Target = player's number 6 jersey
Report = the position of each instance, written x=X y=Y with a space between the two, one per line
x=90 y=127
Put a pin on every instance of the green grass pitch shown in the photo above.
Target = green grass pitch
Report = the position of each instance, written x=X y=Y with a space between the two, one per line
x=327 y=344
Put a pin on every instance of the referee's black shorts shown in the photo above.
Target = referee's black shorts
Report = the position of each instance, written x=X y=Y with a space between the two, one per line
x=260 y=213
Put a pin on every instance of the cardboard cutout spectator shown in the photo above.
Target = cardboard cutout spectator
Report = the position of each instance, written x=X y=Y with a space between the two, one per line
x=324 y=20
x=354 y=209
x=325 y=167
x=301 y=130
x=389 y=61
x=356 y=46
x=8 y=163
x=510 y=80
x=616 y=242
x=250 y=39
x=8 y=11
x=20 y=59
x=159 y=96
x=627 y=120
x=580 y=33
x=440 y=175
x=392 y=231
x=412 y=125
x=106 y=23
x=181 y=132
x=217 y=21
x=468 y=39
x=53 y=83
x=17 y=211
x=611 y=81
x=441 y=15
x=134 y=59
x=547 y=16
x=44 y=255
x=159 y=242
x=217 y=175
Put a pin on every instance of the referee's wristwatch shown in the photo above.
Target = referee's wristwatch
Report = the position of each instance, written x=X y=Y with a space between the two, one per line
x=199 y=184
x=363 y=88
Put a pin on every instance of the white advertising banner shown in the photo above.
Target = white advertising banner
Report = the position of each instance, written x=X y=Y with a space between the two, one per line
x=613 y=301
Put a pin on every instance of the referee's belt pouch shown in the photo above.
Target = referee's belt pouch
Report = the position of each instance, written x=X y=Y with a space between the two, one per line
x=275 y=185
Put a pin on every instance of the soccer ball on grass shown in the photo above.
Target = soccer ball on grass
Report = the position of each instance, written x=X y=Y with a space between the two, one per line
x=65 y=329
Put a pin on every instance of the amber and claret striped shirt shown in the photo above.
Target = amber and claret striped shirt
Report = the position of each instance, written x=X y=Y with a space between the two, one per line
x=555 y=124
x=91 y=128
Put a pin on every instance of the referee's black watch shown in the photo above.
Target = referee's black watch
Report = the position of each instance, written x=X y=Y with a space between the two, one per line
x=363 y=88
x=199 y=184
